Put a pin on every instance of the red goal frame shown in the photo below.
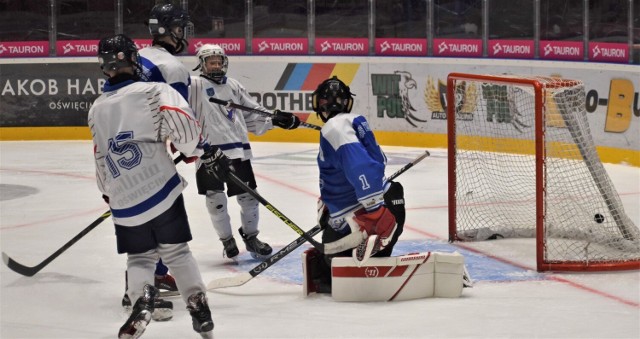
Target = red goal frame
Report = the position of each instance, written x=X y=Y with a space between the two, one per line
x=540 y=170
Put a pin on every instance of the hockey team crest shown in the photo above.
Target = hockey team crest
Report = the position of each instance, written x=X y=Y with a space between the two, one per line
x=211 y=92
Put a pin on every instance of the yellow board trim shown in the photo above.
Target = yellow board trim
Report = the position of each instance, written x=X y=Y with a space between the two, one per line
x=407 y=139
x=44 y=133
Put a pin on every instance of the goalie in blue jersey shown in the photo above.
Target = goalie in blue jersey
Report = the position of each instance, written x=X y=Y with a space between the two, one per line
x=361 y=212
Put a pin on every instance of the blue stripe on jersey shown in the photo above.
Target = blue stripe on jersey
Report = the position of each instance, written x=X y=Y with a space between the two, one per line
x=182 y=89
x=226 y=147
x=149 y=203
x=151 y=71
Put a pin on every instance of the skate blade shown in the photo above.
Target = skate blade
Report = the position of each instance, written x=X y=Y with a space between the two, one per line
x=165 y=293
x=257 y=256
x=232 y=261
x=162 y=314
x=207 y=335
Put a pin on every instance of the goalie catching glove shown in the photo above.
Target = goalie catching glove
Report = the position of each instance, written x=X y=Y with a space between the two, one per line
x=377 y=228
x=216 y=163
x=285 y=120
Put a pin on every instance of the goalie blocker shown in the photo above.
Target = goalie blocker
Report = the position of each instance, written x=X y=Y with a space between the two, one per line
x=405 y=277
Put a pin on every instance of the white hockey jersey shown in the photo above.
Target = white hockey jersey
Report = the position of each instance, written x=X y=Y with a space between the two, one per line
x=130 y=124
x=158 y=65
x=224 y=127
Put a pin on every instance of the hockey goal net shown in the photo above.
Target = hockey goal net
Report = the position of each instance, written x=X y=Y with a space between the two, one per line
x=523 y=163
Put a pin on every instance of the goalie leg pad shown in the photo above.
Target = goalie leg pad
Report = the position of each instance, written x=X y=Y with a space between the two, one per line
x=449 y=275
x=403 y=277
x=406 y=277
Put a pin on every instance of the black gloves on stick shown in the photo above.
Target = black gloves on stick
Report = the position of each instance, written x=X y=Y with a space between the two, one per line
x=285 y=120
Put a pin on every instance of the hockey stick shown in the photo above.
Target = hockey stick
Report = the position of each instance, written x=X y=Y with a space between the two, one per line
x=233 y=178
x=243 y=278
x=249 y=109
x=29 y=271
x=409 y=165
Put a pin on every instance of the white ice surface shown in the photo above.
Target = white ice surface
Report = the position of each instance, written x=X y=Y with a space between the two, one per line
x=78 y=294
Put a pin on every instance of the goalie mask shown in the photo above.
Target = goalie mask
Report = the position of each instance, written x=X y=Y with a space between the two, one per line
x=207 y=52
x=332 y=96
x=118 y=52
x=169 y=20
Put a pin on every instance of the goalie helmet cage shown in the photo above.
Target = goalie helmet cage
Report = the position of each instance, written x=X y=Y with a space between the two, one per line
x=523 y=163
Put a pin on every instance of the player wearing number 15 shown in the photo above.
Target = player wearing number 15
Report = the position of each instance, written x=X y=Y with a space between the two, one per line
x=131 y=123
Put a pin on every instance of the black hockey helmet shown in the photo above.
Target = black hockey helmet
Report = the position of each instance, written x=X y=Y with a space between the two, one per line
x=164 y=20
x=332 y=96
x=116 y=52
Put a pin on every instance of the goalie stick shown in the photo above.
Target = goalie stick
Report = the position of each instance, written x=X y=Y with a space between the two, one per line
x=249 y=109
x=243 y=278
x=30 y=271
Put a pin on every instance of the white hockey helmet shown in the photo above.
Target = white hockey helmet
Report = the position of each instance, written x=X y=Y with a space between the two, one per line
x=209 y=50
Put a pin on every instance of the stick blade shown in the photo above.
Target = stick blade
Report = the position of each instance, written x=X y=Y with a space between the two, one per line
x=236 y=280
x=19 y=268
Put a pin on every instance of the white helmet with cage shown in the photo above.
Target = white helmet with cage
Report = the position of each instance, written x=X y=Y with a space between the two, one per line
x=209 y=50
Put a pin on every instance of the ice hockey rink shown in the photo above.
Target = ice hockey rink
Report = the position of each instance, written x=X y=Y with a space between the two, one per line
x=48 y=195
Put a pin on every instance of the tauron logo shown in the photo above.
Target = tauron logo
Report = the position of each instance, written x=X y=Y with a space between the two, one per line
x=325 y=45
x=262 y=46
x=67 y=48
x=497 y=48
x=442 y=47
x=384 y=46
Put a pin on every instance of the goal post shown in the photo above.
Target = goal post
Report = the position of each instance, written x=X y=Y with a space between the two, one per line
x=522 y=163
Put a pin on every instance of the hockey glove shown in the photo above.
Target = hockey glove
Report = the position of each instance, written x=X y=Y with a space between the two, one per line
x=380 y=222
x=186 y=160
x=285 y=120
x=216 y=163
x=105 y=198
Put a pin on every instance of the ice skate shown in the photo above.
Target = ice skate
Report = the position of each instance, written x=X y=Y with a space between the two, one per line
x=126 y=303
x=163 y=310
x=257 y=249
x=140 y=315
x=200 y=314
x=167 y=285
x=230 y=249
